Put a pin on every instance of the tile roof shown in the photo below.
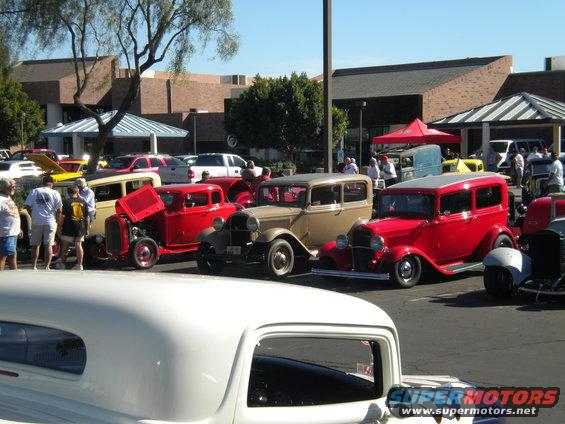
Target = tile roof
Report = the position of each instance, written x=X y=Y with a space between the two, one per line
x=45 y=70
x=399 y=80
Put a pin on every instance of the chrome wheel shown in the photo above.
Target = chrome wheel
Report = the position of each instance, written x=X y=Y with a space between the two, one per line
x=280 y=258
x=143 y=253
x=407 y=271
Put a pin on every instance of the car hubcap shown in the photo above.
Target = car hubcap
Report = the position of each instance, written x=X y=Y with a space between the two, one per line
x=143 y=254
x=280 y=259
x=406 y=269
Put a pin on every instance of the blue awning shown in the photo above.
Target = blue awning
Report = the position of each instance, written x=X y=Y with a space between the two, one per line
x=130 y=126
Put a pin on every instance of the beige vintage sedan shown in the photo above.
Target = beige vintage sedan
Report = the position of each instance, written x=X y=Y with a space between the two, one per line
x=294 y=216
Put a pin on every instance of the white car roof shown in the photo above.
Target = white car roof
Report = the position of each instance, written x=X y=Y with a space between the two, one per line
x=150 y=336
x=18 y=162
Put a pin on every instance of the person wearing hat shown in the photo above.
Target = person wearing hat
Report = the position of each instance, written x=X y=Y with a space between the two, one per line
x=10 y=230
x=555 y=179
x=389 y=173
x=88 y=196
x=44 y=205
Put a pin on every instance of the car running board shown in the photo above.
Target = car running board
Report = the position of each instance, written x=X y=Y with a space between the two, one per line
x=466 y=266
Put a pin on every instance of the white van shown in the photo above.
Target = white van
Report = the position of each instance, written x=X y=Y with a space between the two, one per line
x=503 y=147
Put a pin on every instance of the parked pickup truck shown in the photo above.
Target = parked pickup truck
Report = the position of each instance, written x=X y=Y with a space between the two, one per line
x=218 y=165
x=111 y=347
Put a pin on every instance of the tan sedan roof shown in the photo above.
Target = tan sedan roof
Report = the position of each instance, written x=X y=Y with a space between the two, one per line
x=316 y=179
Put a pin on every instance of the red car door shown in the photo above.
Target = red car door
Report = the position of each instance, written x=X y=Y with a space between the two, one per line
x=454 y=227
x=196 y=215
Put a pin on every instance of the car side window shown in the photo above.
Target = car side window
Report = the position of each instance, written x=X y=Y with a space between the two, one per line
x=488 y=196
x=216 y=198
x=306 y=371
x=131 y=186
x=193 y=200
x=155 y=162
x=108 y=192
x=522 y=145
x=140 y=164
x=230 y=161
x=209 y=160
x=455 y=203
x=354 y=192
x=239 y=162
x=325 y=195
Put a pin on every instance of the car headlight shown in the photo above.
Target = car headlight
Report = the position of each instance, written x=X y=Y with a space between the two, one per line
x=377 y=243
x=218 y=223
x=252 y=223
x=341 y=242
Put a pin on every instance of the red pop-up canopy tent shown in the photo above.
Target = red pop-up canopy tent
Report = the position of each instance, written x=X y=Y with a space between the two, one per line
x=417 y=132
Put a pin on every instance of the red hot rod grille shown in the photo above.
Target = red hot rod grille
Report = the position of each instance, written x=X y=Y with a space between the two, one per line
x=114 y=236
x=362 y=252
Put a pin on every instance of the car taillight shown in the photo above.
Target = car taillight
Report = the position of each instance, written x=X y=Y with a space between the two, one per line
x=191 y=174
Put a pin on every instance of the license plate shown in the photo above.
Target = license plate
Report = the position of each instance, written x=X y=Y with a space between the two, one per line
x=234 y=250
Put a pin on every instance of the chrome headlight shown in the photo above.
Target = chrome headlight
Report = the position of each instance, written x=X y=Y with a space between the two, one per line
x=342 y=242
x=252 y=224
x=218 y=223
x=377 y=243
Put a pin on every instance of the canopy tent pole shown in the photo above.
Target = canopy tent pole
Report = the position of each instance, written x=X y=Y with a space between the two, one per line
x=557 y=139
x=485 y=143
x=153 y=143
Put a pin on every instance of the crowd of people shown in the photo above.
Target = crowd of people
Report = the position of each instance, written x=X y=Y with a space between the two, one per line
x=51 y=216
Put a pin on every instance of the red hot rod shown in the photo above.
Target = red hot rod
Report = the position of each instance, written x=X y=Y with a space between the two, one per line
x=151 y=222
x=446 y=223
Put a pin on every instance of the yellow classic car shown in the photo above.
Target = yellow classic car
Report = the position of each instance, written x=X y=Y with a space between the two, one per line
x=57 y=172
x=462 y=165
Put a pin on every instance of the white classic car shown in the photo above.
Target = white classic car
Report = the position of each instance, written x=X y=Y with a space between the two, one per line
x=102 y=347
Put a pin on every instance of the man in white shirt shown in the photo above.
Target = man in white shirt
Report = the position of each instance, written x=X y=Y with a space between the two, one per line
x=555 y=180
x=10 y=229
x=353 y=166
x=534 y=155
x=519 y=166
x=45 y=205
x=389 y=172
x=88 y=195
x=373 y=172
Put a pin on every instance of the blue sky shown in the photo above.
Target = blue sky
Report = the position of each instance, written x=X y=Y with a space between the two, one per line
x=281 y=36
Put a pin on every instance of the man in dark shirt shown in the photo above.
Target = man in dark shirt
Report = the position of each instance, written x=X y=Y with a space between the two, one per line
x=73 y=226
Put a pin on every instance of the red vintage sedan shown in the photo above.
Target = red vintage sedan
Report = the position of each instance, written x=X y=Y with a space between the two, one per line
x=151 y=222
x=446 y=223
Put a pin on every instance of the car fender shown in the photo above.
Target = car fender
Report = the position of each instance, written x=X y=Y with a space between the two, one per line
x=486 y=244
x=216 y=238
x=271 y=234
x=398 y=252
x=342 y=257
x=516 y=262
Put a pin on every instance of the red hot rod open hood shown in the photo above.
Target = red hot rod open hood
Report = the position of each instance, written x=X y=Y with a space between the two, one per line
x=140 y=204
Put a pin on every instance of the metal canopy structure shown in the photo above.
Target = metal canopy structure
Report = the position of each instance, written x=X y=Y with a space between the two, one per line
x=519 y=110
x=131 y=126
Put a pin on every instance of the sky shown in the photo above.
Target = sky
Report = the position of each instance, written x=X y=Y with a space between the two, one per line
x=281 y=36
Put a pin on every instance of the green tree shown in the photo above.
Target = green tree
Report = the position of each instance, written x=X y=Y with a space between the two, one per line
x=283 y=113
x=144 y=31
x=21 y=118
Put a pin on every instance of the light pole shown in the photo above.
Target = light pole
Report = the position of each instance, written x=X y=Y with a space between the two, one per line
x=22 y=130
x=328 y=85
x=194 y=131
x=361 y=105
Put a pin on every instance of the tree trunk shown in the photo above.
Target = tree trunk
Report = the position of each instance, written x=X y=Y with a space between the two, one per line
x=97 y=150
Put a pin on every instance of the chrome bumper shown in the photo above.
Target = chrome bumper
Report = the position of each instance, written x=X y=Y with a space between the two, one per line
x=350 y=274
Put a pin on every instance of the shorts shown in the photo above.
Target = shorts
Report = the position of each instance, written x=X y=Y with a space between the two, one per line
x=519 y=172
x=72 y=239
x=8 y=246
x=91 y=216
x=45 y=233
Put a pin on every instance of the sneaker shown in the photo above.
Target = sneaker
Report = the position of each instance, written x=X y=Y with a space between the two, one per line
x=59 y=264
x=77 y=267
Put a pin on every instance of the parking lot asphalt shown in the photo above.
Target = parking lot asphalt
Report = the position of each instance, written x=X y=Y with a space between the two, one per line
x=450 y=326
